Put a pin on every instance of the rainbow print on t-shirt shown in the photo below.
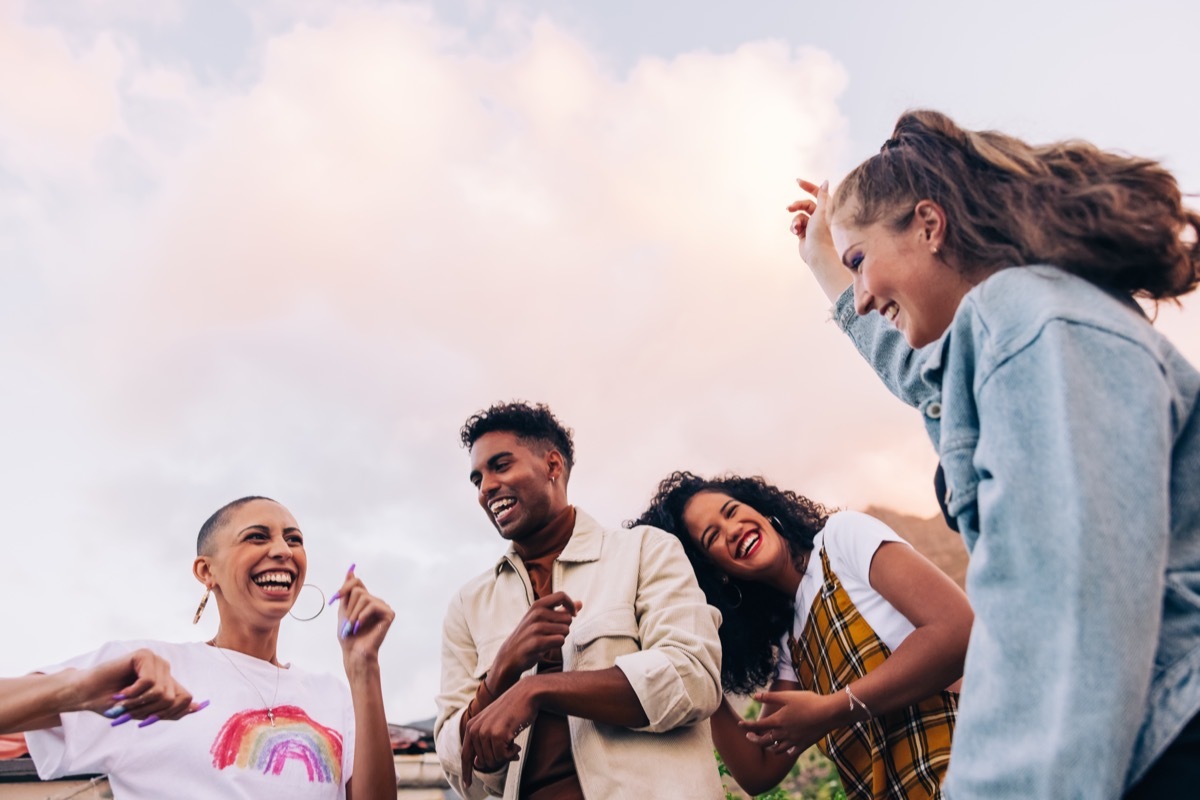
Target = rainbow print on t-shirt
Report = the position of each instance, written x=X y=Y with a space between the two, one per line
x=249 y=741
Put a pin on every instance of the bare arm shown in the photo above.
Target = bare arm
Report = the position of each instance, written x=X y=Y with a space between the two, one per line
x=363 y=623
x=926 y=662
x=811 y=226
x=754 y=767
x=604 y=696
x=137 y=686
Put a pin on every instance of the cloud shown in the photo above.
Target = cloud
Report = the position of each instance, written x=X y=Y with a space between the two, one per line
x=301 y=281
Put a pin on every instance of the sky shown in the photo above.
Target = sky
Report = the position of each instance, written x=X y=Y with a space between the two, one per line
x=287 y=248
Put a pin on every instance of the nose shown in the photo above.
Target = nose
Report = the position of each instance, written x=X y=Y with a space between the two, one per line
x=864 y=301
x=487 y=485
x=279 y=548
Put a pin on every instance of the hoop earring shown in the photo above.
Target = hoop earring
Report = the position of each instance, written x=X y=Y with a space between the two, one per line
x=320 y=607
x=726 y=586
x=203 y=603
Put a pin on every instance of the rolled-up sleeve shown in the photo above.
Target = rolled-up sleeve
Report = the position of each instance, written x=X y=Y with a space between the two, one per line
x=677 y=673
x=1066 y=576
x=459 y=659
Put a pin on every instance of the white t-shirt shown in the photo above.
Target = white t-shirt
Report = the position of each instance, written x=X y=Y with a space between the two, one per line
x=850 y=540
x=228 y=750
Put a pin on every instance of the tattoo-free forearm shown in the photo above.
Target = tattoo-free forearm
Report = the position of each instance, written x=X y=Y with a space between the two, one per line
x=603 y=696
x=374 y=775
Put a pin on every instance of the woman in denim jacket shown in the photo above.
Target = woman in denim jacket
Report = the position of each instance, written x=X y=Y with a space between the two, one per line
x=1004 y=278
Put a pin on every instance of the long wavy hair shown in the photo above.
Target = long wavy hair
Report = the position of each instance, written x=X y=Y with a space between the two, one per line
x=1115 y=220
x=751 y=629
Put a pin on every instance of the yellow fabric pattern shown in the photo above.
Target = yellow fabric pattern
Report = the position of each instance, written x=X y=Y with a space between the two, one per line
x=899 y=755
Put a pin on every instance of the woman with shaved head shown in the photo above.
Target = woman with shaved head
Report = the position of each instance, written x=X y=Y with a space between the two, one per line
x=229 y=719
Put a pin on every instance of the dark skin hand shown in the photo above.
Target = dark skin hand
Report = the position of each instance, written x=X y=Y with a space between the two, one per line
x=603 y=696
x=543 y=628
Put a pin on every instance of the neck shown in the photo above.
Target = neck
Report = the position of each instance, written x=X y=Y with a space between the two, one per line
x=551 y=537
x=255 y=642
x=787 y=578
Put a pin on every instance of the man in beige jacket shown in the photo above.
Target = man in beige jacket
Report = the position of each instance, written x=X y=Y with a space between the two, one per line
x=585 y=662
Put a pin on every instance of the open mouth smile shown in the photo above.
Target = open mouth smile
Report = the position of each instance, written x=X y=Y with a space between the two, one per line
x=748 y=545
x=275 y=581
x=502 y=509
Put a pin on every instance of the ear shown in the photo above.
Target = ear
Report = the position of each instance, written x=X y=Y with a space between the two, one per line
x=203 y=571
x=556 y=465
x=929 y=219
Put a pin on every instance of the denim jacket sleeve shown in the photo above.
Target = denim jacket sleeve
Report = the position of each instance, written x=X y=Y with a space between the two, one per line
x=884 y=348
x=1066 y=575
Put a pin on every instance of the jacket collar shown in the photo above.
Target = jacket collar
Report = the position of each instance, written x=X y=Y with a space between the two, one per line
x=587 y=540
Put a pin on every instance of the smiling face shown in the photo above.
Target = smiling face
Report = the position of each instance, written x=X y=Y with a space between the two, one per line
x=737 y=539
x=256 y=563
x=899 y=274
x=520 y=489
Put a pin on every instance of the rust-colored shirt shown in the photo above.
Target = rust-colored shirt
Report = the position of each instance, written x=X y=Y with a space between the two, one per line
x=549 y=771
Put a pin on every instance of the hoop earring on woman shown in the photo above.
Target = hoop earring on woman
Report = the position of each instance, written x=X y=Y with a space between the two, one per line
x=203 y=603
x=320 y=607
x=728 y=585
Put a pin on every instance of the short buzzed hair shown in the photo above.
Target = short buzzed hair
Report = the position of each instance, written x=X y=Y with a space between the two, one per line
x=213 y=523
x=529 y=423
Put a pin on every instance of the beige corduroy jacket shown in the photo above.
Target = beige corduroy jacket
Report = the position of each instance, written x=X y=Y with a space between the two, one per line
x=643 y=613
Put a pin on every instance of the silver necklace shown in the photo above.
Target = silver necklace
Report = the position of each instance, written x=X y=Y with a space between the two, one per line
x=269 y=706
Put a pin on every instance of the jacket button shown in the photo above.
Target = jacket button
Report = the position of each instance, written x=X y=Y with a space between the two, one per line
x=934 y=410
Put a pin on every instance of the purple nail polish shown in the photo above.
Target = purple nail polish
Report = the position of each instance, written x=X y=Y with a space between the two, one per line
x=114 y=712
x=118 y=697
x=357 y=622
x=202 y=706
x=121 y=720
x=150 y=720
x=345 y=630
x=335 y=598
x=351 y=570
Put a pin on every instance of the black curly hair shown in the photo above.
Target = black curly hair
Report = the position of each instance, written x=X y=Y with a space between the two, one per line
x=750 y=629
x=532 y=424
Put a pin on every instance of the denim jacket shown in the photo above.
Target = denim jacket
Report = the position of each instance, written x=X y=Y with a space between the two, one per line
x=1069 y=433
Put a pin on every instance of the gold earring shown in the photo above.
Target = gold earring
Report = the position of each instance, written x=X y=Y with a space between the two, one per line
x=203 y=603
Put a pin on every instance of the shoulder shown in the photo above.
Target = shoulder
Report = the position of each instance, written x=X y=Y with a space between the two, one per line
x=1010 y=310
x=850 y=538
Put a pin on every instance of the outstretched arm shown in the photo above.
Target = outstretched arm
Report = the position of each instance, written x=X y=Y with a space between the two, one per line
x=363 y=623
x=810 y=223
x=136 y=686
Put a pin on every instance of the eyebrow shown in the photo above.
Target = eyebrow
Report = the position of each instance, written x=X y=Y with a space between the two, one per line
x=491 y=463
x=266 y=529
x=704 y=533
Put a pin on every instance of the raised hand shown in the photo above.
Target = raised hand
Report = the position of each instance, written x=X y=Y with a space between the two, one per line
x=543 y=628
x=810 y=223
x=363 y=619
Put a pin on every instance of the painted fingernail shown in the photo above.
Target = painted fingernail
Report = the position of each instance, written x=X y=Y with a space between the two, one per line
x=118 y=697
x=345 y=630
x=121 y=720
x=202 y=706
x=336 y=596
x=115 y=712
x=150 y=720
x=357 y=622
x=351 y=570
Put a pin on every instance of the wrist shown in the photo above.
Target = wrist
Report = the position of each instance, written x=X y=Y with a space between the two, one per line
x=361 y=665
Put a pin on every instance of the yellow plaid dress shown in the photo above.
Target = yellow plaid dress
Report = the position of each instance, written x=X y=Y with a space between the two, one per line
x=903 y=754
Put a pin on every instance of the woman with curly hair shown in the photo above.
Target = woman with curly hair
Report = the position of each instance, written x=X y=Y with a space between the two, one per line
x=859 y=635
x=993 y=285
